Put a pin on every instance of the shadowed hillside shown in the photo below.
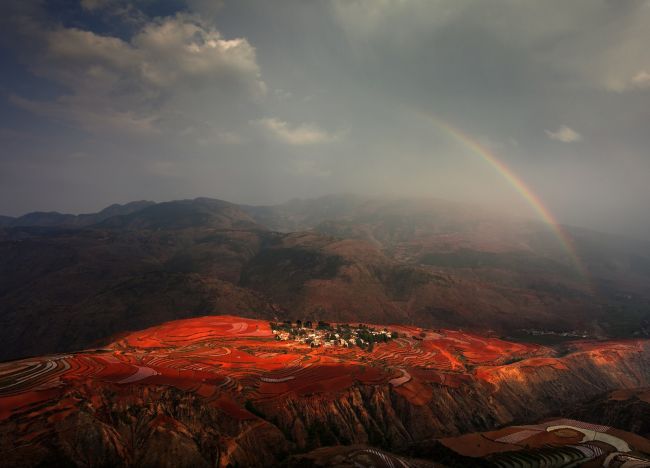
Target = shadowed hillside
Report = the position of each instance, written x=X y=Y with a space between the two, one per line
x=423 y=262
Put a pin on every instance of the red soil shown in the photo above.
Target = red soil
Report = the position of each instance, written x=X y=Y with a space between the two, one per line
x=228 y=360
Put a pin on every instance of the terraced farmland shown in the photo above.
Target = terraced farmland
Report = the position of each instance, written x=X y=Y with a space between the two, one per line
x=236 y=372
x=213 y=354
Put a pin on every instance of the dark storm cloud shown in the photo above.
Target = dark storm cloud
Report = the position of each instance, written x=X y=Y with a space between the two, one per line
x=260 y=101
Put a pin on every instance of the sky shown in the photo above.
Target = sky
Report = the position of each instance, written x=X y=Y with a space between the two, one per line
x=105 y=101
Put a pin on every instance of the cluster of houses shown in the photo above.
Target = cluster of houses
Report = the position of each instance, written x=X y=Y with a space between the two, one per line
x=324 y=334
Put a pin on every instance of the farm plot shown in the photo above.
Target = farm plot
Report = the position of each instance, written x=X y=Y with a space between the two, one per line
x=226 y=358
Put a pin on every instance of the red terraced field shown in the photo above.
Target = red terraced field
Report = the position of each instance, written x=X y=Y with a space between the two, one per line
x=194 y=331
x=229 y=360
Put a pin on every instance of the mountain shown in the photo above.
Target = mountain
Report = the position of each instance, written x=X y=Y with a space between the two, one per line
x=182 y=214
x=420 y=262
x=65 y=289
x=55 y=219
x=232 y=391
x=302 y=214
x=6 y=220
x=490 y=344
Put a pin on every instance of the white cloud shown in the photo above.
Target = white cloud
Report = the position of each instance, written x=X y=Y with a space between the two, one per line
x=564 y=134
x=138 y=84
x=302 y=134
x=84 y=50
x=183 y=49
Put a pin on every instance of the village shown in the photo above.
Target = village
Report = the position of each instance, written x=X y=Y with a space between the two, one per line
x=325 y=334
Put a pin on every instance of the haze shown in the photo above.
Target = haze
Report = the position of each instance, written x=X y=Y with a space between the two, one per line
x=261 y=101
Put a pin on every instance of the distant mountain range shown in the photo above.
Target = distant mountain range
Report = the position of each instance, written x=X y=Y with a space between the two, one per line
x=53 y=218
x=70 y=281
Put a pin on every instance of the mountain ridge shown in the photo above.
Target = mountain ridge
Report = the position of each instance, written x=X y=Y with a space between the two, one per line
x=378 y=260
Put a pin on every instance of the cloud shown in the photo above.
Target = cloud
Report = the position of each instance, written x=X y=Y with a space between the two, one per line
x=638 y=81
x=93 y=4
x=84 y=114
x=564 y=134
x=125 y=11
x=183 y=49
x=302 y=134
x=190 y=88
x=642 y=79
x=309 y=168
x=219 y=137
x=135 y=85
x=607 y=47
x=207 y=8
x=586 y=43
x=365 y=20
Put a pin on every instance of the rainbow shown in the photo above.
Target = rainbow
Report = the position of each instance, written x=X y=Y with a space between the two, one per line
x=518 y=184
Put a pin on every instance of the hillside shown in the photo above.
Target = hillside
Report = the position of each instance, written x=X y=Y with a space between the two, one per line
x=222 y=390
x=53 y=218
x=418 y=262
